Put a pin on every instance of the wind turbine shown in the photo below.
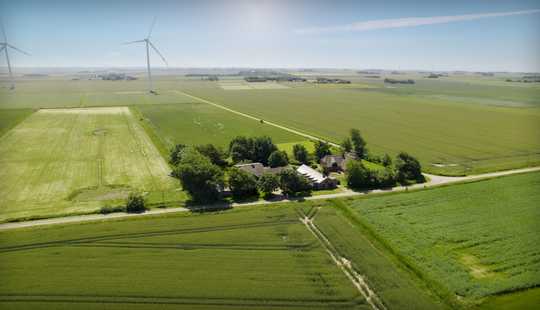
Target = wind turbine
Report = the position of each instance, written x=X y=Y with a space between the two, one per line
x=149 y=44
x=5 y=46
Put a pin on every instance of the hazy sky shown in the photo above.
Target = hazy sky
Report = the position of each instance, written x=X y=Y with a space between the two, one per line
x=430 y=35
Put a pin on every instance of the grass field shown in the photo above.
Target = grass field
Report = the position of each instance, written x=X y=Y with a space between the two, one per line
x=60 y=161
x=468 y=241
x=201 y=123
x=244 y=259
x=459 y=137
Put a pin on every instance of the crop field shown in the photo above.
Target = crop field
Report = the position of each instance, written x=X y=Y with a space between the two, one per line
x=201 y=123
x=243 y=259
x=468 y=241
x=60 y=161
x=448 y=136
x=10 y=118
x=63 y=92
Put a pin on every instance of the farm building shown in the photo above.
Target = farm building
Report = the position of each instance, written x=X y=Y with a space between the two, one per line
x=258 y=169
x=317 y=180
x=336 y=163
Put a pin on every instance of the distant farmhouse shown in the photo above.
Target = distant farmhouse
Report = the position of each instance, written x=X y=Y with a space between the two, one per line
x=317 y=180
x=323 y=80
x=116 y=77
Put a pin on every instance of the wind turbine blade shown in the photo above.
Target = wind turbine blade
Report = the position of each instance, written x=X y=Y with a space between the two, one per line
x=2 y=48
x=3 y=31
x=155 y=49
x=151 y=28
x=18 y=50
x=138 y=41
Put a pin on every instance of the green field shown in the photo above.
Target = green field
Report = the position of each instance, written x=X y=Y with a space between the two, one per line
x=10 y=118
x=61 y=161
x=448 y=135
x=244 y=259
x=467 y=241
x=200 y=123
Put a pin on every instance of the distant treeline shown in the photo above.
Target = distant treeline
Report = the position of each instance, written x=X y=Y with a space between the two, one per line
x=252 y=79
x=526 y=79
x=393 y=81
x=323 y=80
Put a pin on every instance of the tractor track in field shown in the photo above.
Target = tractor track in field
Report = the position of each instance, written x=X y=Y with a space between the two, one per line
x=434 y=181
x=341 y=262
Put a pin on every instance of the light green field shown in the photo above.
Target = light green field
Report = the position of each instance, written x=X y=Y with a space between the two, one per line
x=448 y=136
x=468 y=241
x=64 y=92
x=201 y=123
x=60 y=161
x=256 y=258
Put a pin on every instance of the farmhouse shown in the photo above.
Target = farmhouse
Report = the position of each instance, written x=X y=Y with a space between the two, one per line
x=336 y=163
x=317 y=180
x=258 y=169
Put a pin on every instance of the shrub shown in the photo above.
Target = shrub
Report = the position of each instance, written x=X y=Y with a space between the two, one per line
x=242 y=184
x=278 y=159
x=135 y=203
x=176 y=154
x=111 y=209
x=358 y=143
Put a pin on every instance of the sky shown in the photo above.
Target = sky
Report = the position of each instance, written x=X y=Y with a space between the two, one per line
x=474 y=35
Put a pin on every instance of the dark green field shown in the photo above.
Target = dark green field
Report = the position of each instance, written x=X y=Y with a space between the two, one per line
x=258 y=258
x=467 y=241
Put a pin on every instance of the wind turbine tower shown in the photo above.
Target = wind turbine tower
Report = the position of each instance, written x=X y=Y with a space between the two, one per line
x=149 y=45
x=5 y=46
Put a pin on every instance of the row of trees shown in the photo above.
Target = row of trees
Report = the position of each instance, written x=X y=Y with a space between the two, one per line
x=243 y=184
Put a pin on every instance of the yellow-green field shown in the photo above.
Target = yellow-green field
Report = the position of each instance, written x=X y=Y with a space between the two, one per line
x=75 y=161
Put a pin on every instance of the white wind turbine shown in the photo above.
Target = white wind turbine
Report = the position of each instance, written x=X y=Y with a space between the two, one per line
x=5 y=46
x=148 y=45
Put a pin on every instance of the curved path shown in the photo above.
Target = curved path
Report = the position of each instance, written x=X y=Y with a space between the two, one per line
x=434 y=180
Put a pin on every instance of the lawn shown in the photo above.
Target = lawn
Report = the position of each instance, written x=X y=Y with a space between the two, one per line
x=468 y=241
x=243 y=259
x=200 y=123
x=60 y=161
x=448 y=136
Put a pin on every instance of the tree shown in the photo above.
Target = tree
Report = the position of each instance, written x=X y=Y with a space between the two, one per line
x=408 y=168
x=358 y=143
x=300 y=153
x=278 y=159
x=357 y=175
x=241 y=148
x=386 y=177
x=292 y=183
x=268 y=183
x=346 y=145
x=176 y=154
x=321 y=149
x=135 y=203
x=242 y=184
x=199 y=177
x=262 y=148
x=387 y=160
x=216 y=154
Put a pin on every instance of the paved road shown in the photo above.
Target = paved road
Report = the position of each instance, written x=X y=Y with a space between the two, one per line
x=435 y=180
